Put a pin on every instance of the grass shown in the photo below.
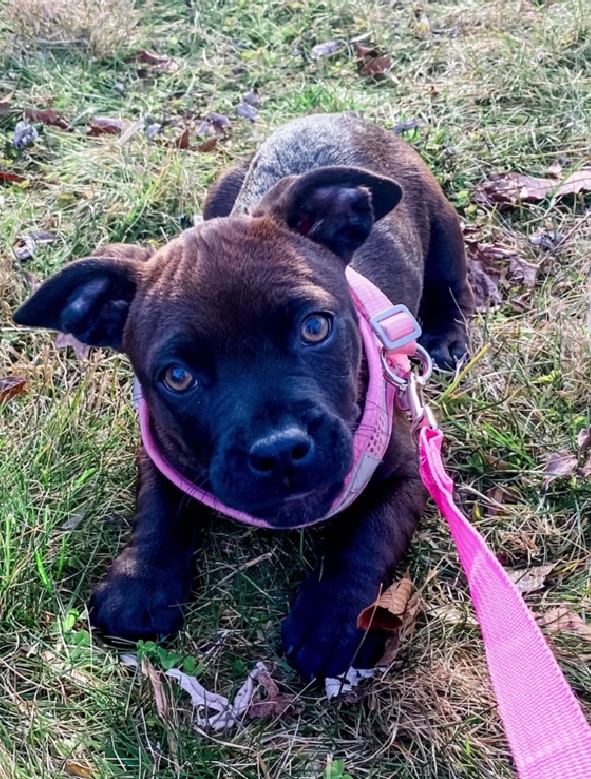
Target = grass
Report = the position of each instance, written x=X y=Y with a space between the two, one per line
x=499 y=86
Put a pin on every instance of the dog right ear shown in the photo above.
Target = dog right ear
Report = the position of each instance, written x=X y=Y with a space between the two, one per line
x=89 y=298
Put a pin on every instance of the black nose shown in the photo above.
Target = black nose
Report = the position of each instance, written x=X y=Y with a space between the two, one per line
x=281 y=452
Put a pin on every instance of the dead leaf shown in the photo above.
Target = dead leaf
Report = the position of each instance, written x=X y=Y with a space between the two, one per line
x=156 y=682
x=214 y=123
x=6 y=103
x=531 y=579
x=42 y=236
x=585 y=469
x=366 y=51
x=182 y=142
x=160 y=62
x=547 y=239
x=522 y=271
x=275 y=704
x=324 y=49
x=387 y=612
x=24 y=135
x=252 y=98
x=375 y=67
x=555 y=170
x=8 y=175
x=77 y=769
x=10 y=386
x=246 y=111
x=584 y=440
x=72 y=522
x=47 y=116
x=391 y=648
x=513 y=188
x=82 y=351
x=560 y=466
x=24 y=247
x=103 y=124
x=208 y=145
x=562 y=620
x=485 y=286
x=407 y=124
x=578 y=181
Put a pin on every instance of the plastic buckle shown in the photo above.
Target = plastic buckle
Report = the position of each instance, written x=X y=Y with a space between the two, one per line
x=401 y=312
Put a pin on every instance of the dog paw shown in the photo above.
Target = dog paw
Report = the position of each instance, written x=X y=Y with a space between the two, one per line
x=320 y=636
x=446 y=348
x=138 y=601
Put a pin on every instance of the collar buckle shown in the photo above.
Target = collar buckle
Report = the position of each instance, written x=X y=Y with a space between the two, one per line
x=395 y=327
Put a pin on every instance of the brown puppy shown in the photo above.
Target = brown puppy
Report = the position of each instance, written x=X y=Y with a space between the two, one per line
x=244 y=338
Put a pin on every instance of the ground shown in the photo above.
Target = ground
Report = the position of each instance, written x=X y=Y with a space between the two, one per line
x=496 y=86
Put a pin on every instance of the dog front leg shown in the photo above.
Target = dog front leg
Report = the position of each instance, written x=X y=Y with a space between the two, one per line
x=142 y=593
x=364 y=545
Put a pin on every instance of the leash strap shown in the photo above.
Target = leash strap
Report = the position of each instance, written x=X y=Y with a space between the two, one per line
x=545 y=725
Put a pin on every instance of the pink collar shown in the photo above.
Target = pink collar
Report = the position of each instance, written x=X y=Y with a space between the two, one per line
x=389 y=336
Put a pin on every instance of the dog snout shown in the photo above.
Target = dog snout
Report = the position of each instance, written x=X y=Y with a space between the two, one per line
x=281 y=453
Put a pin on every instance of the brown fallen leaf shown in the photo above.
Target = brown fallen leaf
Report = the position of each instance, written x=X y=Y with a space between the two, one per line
x=6 y=103
x=584 y=440
x=158 y=61
x=513 y=188
x=375 y=67
x=103 y=124
x=156 y=682
x=82 y=351
x=324 y=49
x=561 y=465
x=47 y=116
x=387 y=612
x=77 y=769
x=585 y=469
x=182 y=142
x=10 y=386
x=485 y=286
x=522 y=271
x=208 y=145
x=275 y=704
x=367 y=51
x=531 y=579
x=562 y=620
x=8 y=175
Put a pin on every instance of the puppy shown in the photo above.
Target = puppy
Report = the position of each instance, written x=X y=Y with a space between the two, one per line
x=245 y=340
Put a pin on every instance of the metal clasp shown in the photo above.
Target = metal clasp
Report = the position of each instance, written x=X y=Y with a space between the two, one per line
x=422 y=355
x=409 y=393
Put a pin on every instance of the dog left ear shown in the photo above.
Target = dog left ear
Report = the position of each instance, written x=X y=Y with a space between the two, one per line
x=334 y=206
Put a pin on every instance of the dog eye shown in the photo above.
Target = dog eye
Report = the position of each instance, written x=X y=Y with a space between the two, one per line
x=315 y=328
x=178 y=379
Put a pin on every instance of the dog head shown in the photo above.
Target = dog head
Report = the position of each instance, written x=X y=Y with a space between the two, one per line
x=244 y=337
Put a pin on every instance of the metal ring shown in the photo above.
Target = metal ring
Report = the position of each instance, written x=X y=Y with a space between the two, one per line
x=422 y=355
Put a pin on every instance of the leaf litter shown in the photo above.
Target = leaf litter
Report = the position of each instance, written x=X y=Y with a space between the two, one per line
x=11 y=386
x=48 y=116
x=213 y=710
x=513 y=188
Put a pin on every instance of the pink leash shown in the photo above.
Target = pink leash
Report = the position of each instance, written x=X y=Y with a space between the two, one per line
x=545 y=725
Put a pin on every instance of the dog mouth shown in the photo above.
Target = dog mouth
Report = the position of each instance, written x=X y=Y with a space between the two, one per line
x=297 y=509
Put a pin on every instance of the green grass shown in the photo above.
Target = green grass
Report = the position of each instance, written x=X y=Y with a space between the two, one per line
x=499 y=86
